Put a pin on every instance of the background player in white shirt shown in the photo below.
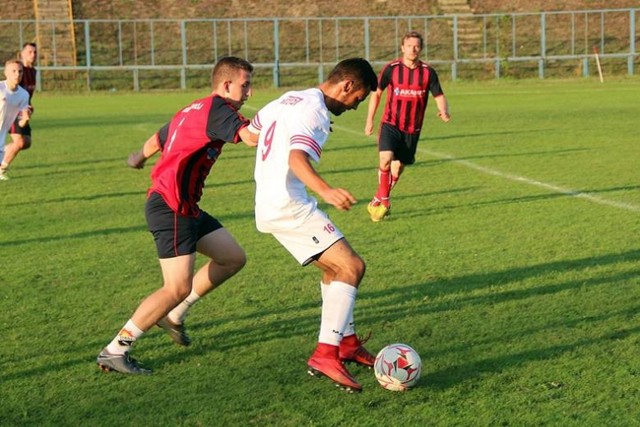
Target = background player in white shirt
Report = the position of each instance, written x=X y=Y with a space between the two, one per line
x=14 y=101
x=293 y=130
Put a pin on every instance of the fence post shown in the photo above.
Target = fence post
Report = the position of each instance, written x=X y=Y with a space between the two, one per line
x=366 y=38
x=585 y=66
x=136 y=80
x=543 y=44
x=632 y=41
x=183 y=42
x=87 y=47
x=276 y=53
x=454 y=64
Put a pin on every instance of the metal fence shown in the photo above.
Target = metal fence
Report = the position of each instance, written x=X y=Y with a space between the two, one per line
x=178 y=54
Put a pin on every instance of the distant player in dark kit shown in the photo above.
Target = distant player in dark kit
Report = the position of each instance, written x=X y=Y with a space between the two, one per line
x=21 y=134
x=408 y=81
x=190 y=145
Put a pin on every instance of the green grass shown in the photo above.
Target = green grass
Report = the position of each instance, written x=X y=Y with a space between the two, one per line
x=510 y=262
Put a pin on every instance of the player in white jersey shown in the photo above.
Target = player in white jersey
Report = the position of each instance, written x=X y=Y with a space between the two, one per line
x=14 y=101
x=293 y=130
x=302 y=120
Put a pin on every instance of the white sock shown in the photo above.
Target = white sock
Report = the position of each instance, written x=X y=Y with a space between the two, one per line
x=178 y=314
x=337 y=309
x=125 y=338
x=350 y=329
x=324 y=287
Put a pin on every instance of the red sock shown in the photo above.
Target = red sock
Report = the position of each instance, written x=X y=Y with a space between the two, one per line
x=384 y=186
x=394 y=181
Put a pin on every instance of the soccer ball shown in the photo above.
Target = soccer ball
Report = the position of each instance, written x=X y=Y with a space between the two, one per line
x=397 y=367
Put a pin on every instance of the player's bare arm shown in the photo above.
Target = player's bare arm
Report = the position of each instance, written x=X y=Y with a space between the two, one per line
x=443 y=108
x=248 y=137
x=151 y=146
x=374 y=101
x=25 y=115
x=301 y=166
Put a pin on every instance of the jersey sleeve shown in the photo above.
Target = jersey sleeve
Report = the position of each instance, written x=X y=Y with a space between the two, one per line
x=255 y=126
x=308 y=132
x=24 y=104
x=224 y=122
x=163 y=135
x=385 y=77
x=434 y=83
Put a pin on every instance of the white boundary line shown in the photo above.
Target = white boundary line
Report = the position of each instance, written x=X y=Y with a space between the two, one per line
x=522 y=179
x=536 y=183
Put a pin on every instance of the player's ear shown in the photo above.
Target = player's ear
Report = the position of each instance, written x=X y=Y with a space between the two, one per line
x=347 y=86
x=227 y=84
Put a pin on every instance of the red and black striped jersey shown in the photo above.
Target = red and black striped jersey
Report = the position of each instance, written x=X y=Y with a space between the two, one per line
x=191 y=143
x=29 y=80
x=407 y=94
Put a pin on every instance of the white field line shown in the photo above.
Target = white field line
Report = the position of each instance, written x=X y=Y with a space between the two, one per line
x=522 y=179
x=536 y=183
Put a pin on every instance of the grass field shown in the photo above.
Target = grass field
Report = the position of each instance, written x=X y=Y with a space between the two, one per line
x=510 y=263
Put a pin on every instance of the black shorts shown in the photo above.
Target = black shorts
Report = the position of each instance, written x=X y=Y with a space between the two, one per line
x=403 y=145
x=16 y=128
x=176 y=234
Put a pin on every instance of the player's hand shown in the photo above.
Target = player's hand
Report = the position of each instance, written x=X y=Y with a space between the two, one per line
x=368 y=128
x=445 y=117
x=340 y=198
x=136 y=160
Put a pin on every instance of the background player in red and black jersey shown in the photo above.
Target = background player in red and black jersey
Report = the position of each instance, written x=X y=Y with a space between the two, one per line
x=408 y=81
x=21 y=135
x=190 y=145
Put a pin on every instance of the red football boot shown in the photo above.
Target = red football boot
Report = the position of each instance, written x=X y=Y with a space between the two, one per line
x=351 y=350
x=324 y=362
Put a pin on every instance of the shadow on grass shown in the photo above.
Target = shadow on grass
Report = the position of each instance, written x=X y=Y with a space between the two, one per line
x=449 y=377
x=393 y=304
x=509 y=155
x=84 y=198
x=115 y=230
x=411 y=213
x=70 y=163
x=458 y=136
x=403 y=302
x=81 y=235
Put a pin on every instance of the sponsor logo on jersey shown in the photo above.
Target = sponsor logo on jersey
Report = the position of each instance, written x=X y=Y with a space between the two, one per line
x=409 y=93
x=194 y=106
x=291 y=100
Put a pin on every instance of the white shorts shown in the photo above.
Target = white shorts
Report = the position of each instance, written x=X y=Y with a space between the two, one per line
x=314 y=236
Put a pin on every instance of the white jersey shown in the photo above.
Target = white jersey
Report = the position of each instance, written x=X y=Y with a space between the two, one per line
x=11 y=103
x=298 y=120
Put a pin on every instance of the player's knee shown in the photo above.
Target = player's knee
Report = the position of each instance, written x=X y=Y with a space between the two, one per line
x=235 y=262
x=26 y=144
x=356 y=268
x=239 y=261
x=178 y=291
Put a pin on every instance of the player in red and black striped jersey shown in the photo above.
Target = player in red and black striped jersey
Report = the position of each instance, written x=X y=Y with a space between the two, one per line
x=190 y=144
x=21 y=135
x=408 y=81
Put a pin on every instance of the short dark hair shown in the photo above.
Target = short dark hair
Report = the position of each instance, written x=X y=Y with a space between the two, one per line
x=357 y=69
x=32 y=44
x=227 y=67
x=413 y=35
